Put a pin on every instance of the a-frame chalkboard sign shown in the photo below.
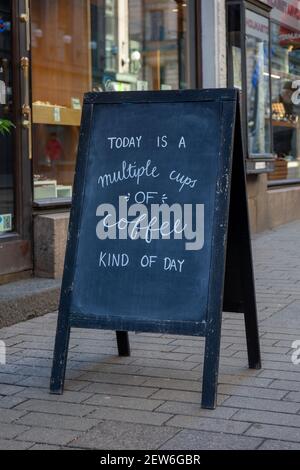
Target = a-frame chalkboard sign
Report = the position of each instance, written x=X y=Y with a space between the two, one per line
x=159 y=234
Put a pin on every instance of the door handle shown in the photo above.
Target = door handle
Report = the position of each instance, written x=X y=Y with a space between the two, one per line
x=26 y=109
x=26 y=124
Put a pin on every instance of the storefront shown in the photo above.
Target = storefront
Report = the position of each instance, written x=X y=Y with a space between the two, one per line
x=264 y=62
x=52 y=51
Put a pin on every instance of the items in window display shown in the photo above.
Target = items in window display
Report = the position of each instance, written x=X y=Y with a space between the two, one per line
x=286 y=104
x=50 y=189
x=2 y=92
x=5 y=223
x=285 y=129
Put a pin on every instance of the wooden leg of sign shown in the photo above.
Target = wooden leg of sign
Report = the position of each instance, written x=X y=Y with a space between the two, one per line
x=239 y=291
x=60 y=359
x=211 y=368
x=251 y=324
x=252 y=338
x=123 y=343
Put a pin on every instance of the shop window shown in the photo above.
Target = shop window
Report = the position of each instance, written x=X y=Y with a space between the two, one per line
x=285 y=101
x=95 y=45
x=7 y=196
x=258 y=84
x=249 y=71
x=264 y=55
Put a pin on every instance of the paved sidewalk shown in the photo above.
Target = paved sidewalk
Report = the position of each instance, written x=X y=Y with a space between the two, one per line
x=151 y=400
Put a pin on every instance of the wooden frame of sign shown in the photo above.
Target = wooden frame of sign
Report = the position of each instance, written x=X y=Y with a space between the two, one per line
x=173 y=147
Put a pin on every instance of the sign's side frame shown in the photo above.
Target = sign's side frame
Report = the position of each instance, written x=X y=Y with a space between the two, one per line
x=63 y=321
x=217 y=272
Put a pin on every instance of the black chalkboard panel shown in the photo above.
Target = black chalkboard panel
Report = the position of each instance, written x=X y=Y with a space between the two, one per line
x=149 y=221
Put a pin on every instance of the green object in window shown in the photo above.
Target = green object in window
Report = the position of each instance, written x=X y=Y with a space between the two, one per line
x=5 y=126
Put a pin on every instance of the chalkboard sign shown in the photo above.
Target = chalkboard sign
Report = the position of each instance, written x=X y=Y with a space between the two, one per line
x=153 y=214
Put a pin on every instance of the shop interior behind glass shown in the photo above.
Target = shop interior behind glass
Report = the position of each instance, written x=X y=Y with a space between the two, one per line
x=94 y=45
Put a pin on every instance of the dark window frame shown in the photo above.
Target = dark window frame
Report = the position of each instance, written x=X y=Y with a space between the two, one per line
x=263 y=10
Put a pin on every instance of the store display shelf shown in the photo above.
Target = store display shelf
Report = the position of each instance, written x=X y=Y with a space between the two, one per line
x=55 y=115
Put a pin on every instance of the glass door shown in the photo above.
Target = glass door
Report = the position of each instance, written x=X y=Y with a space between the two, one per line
x=15 y=153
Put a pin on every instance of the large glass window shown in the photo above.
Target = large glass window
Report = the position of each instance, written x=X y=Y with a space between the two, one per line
x=7 y=211
x=258 y=84
x=100 y=45
x=249 y=71
x=285 y=101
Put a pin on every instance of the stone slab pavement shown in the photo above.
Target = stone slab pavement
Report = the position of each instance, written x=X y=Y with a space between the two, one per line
x=151 y=400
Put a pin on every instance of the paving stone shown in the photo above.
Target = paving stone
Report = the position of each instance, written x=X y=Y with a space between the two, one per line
x=292 y=386
x=209 y=424
x=282 y=375
x=193 y=409
x=251 y=391
x=177 y=365
x=11 y=379
x=173 y=384
x=44 y=406
x=57 y=421
x=43 y=447
x=172 y=356
x=292 y=396
x=195 y=440
x=269 y=444
x=235 y=379
x=9 y=389
x=169 y=373
x=268 y=417
x=121 y=390
x=262 y=404
x=44 y=382
x=42 y=435
x=6 y=444
x=43 y=394
x=10 y=401
x=284 y=433
x=8 y=416
x=183 y=396
x=130 y=416
x=114 y=435
x=124 y=402
x=9 y=431
x=122 y=379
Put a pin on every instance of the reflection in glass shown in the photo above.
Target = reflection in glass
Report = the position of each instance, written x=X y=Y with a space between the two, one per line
x=6 y=112
x=99 y=45
x=258 y=103
x=285 y=106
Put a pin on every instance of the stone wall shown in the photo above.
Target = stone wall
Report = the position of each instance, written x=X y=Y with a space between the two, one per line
x=50 y=238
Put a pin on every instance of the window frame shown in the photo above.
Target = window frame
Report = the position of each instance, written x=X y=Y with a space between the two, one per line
x=255 y=163
x=288 y=181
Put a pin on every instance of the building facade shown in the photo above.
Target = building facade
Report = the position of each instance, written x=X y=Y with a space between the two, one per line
x=53 y=51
